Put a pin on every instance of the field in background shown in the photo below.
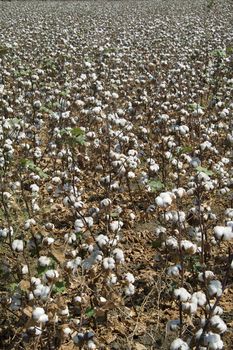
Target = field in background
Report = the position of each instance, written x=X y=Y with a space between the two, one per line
x=116 y=203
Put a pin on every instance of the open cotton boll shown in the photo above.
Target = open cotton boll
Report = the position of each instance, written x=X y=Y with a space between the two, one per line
x=217 y=310
x=129 y=289
x=115 y=226
x=164 y=199
x=209 y=275
x=106 y=202
x=190 y=307
x=64 y=311
x=217 y=324
x=119 y=255
x=34 y=188
x=89 y=221
x=25 y=269
x=188 y=247
x=172 y=325
x=224 y=233
x=51 y=274
x=171 y=242
x=215 y=288
x=39 y=315
x=102 y=240
x=179 y=344
x=108 y=263
x=199 y=297
x=129 y=277
x=17 y=245
x=48 y=240
x=174 y=270
x=41 y=292
x=111 y=279
x=179 y=192
x=213 y=341
x=229 y=213
x=91 y=344
x=44 y=261
x=182 y=294
x=79 y=225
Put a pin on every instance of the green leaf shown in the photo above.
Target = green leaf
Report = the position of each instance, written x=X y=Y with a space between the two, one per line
x=155 y=185
x=13 y=286
x=156 y=244
x=3 y=50
x=42 y=269
x=229 y=50
x=204 y=170
x=186 y=149
x=80 y=139
x=218 y=53
x=29 y=164
x=65 y=93
x=59 y=287
x=77 y=132
x=90 y=312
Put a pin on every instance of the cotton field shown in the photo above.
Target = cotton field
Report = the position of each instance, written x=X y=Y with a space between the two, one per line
x=116 y=176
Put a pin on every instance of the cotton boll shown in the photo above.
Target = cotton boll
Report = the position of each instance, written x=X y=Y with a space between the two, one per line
x=129 y=277
x=217 y=324
x=25 y=269
x=200 y=298
x=172 y=325
x=35 y=281
x=35 y=330
x=209 y=275
x=39 y=315
x=215 y=288
x=89 y=221
x=213 y=341
x=64 y=311
x=102 y=240
x=105 y=203
x=179 y=192
x=91 y=344
x=229 y=213
x=188 y=247
x=164 y=199
x=171 y=242
x=182 y=294
x=108 y=263
x=174 y=270
x=51 y=275
x=190 y=307
x=129 y=289
x=111 y=279
x=48 y=240
x=119 y=255
x=224 y=233
x=179 y=344
x=44 y=261
x=17 y=245
x=67 y=331
x=217 y=310
x=115 y=226
x=34 y=188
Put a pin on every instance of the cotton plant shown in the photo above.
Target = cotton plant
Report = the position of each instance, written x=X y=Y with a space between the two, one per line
x=98 y=135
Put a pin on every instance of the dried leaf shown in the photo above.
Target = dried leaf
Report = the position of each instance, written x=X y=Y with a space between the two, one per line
x=58 y=254
x=24 y=285
x=28 y=311
x=139 y=346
